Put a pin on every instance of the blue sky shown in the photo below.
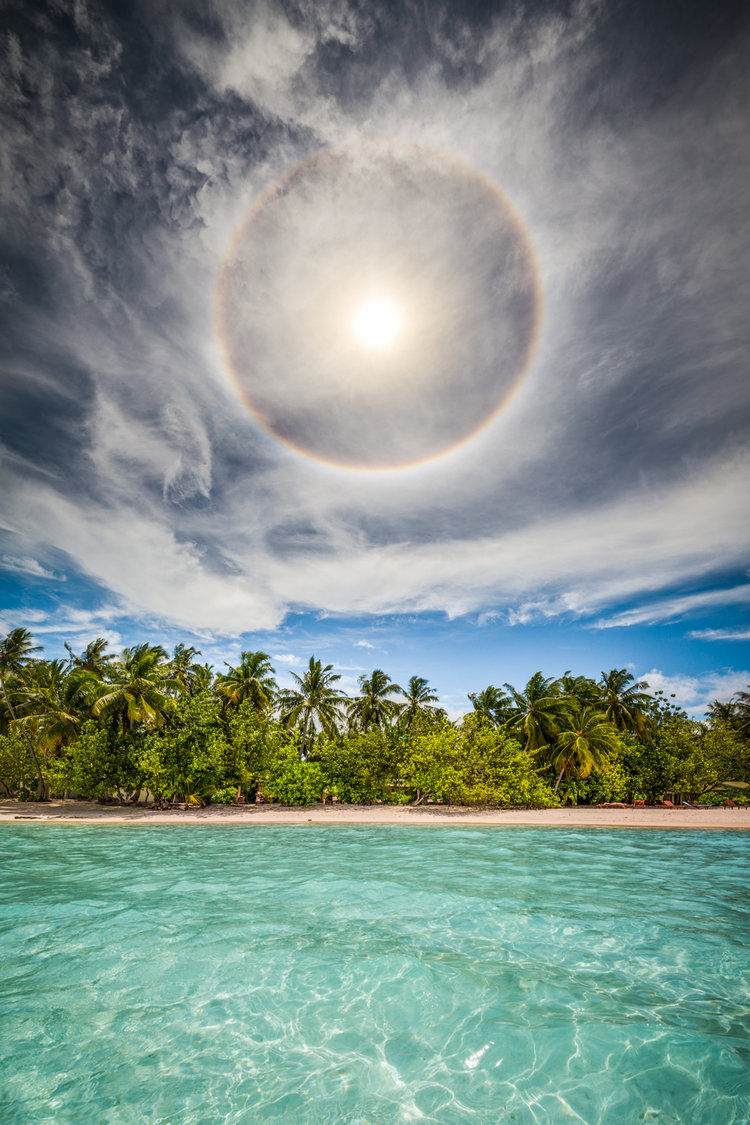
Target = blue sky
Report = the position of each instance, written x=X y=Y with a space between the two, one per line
x=551 y=196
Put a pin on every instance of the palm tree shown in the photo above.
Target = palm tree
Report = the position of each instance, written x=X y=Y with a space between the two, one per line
x=94 y=657
x=315 y=702
x=585 y=745
x=202 y=678
x=16 y=654
x=537 y=711
x=491 y=705
x=55 y=700
x=419 y=697
x=624 y=701
x=585 y=692
x=184 y=670
x=252 y=679
x=741 y=703
x=138 y=688
x=721 y=712
x=373 y=707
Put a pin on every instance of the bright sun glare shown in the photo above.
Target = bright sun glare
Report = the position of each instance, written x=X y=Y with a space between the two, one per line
x=377 y=324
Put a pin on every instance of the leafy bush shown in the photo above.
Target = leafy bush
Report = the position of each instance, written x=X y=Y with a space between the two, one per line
x=297 y=783
x=475 y=765
x=99 y=762
x=17 y=772
x=358 y=767
x=188 y=755
x=611 y=784
x=224 y=796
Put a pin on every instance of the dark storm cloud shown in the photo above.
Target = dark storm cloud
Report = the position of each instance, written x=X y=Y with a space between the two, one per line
x=134 y=140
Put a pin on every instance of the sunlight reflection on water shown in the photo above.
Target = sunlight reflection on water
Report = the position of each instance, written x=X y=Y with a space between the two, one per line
x=367 y=975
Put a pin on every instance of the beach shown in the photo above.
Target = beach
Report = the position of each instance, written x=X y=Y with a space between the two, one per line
x=89 y=812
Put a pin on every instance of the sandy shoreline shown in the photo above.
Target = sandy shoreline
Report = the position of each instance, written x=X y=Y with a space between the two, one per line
x=87 y=812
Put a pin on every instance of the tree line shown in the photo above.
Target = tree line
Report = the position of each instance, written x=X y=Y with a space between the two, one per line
x=115 y=726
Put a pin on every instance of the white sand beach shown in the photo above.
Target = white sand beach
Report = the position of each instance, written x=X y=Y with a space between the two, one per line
x=89 y=812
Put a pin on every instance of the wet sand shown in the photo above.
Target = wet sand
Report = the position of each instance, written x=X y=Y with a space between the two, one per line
x=89 y=812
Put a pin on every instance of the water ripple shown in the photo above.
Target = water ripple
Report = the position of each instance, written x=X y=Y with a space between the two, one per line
x=365 y=975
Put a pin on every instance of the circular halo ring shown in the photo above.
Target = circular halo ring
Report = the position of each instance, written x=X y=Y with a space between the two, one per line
x=295 y=179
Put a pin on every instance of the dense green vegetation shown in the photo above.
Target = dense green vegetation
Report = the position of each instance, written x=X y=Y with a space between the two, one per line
x=98 y=725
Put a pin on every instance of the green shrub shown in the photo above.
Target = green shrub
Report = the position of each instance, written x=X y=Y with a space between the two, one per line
x=17 y=771
x=297 y=783
x=358 y=767
x=224 y=796
x=475 y=765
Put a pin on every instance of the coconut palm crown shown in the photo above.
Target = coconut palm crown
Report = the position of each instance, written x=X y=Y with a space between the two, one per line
x=624 y=701
x=537 y=711
x=585 y=745
x=373 y=707
x=419 y=697
x=138 y=689
x=314 y=703
x=252 y=679
x=491 y=705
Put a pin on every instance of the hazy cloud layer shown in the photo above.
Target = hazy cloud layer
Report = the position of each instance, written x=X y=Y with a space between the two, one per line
x=135 y=142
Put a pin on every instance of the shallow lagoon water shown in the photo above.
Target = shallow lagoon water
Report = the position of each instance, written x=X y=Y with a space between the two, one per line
x=374 y=975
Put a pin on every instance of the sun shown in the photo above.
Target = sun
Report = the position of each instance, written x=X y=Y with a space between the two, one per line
x=377 y=324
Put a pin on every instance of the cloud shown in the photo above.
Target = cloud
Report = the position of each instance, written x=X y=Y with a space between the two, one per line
x=76 y=626
x=720 y=634
x=363 y=644
x=672 y=608
x=617 y=472
x=287 y=658
x=695 y=693
x=580 y=561
x=78 y=641
x=31 y=567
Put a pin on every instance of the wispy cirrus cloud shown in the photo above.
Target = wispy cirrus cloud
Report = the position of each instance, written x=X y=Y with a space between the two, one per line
x=617 y=472
x=720 y=634
x=32 y=567
x=670 y=609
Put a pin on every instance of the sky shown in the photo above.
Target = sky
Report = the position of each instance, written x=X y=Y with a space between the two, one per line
x=406 y=335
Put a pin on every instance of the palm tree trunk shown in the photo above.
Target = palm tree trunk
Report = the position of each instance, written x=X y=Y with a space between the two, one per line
x=562 y=771
x=305 y=729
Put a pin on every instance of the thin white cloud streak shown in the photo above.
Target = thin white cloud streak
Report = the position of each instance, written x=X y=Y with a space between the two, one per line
x=27 y=566
x=720 y=634
x=69 y=618
x=672 y=608
x=76 y=626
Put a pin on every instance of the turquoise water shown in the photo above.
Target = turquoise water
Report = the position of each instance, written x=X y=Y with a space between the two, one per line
x=373 y=975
